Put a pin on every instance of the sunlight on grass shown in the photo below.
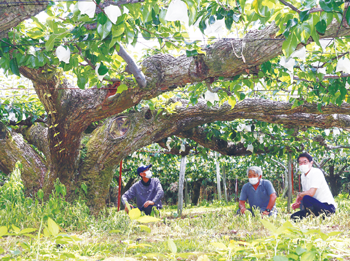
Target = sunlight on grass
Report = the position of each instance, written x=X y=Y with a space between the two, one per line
x=58 y=230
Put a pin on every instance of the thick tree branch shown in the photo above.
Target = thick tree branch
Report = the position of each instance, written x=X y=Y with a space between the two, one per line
x=132 y=67
x=281 y=164
x=327 y=76
x=27 y=122
x=290 y=6
x=320 y=167
x=340 y=172
x=37 y=135
x=176 y=151
x=11 y=15
x=13 y=148
x=322 y=141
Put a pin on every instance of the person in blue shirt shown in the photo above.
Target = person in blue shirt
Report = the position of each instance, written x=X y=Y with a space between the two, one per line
x=148 y=191
x=259 y=193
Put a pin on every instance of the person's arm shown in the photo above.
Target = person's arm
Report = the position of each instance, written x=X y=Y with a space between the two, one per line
x=157 y=197
x=242 y=199
x=160 y=192
x=311 y=192
x=130 y=194
x=242 y=206
x=272 y=202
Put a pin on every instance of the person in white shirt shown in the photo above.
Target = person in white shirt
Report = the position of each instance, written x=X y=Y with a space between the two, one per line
x=316 y=197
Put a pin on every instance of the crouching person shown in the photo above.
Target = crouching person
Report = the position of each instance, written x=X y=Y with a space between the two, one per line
x=316 y=197
x=259 y=192
x=148 y=192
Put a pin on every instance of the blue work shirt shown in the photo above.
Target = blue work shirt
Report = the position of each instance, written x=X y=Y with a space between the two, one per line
x=260 y=197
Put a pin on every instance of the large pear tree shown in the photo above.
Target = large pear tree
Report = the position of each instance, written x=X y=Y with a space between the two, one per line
x=276 y=49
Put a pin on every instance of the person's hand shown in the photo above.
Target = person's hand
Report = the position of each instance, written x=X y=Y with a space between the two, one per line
x=126 y=210
x=148 y=203
x=299 y=198
x=266 y=213
x=295 y=205
x=243 y=210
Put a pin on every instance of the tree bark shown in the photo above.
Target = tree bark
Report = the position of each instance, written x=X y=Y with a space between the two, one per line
x=335 y=179
x=11 y=14
x=14 y=148
x=196 y=191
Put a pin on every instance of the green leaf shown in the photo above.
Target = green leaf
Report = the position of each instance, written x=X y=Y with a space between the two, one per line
x=289 y=45
x=299 y=250
x=105 y=29
x=255 y=6
x=192 y=11
x=147 y=13
x=134 y=213
x=51 y=42
x=269 y=226
x=27 y=230
x=219 y=245
x=3 y=231
x=228 y=22
x=53 y=227
x=280 y=258
x=146 y=35
x=304 y=15
x=326 y=5
x=232 y=101
x=40 y=194
x=102 y=70
x=14 y=66
x=117 y=30
x=308 y=256
x=144 y=228
x=190 y=53
x=211 y=19
x=242 y=4
x=115 y=231
x=146 y=219
x=321 y=26
x=172 y=247
x=102 y=18
x=15 y=229
x=347 y=16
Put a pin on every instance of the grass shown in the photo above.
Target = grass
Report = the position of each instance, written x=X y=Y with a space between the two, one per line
x=197 y=234
x=58 y=230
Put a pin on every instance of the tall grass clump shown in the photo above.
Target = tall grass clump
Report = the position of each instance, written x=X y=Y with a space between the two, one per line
x=23 y=212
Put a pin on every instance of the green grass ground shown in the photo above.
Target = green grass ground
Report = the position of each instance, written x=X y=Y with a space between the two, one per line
x=212 y=232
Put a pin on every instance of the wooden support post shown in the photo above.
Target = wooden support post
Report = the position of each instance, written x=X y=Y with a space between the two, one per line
x=224 y=181
x=289 y=181
x=120 y=184
x=218 y=175
x=181 y=186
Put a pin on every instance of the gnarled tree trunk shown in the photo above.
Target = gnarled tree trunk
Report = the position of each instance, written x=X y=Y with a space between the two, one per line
x=71 y=110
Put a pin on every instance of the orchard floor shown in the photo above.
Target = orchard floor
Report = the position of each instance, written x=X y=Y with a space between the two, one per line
x=212 y=232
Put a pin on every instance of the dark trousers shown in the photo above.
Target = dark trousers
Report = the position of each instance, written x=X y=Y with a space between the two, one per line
x=310 y=205
x=147 y=210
